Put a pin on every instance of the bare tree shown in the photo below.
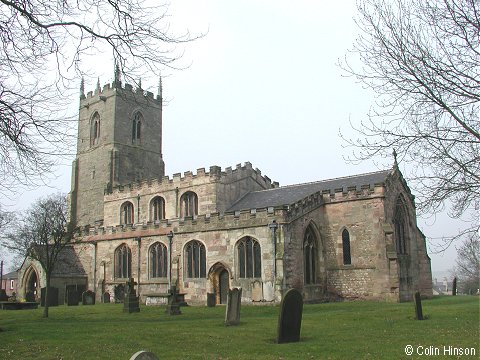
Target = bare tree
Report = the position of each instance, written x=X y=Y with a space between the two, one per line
x=467 y=267
x=43 y=48
x=42 y=233
x=421 y=59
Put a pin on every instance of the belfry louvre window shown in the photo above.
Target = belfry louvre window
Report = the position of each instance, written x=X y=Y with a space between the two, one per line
x=309 y=256
x=249 y=258
x=157 y=209
x=189 y=204
x=347 y=257
x=400 y=227
x=137 y=128
x=158 y=260
x=195 y=259
x=95 y=130
x=123 y=262
x=126 y=213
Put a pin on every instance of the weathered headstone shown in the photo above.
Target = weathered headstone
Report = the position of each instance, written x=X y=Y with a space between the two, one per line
x=211 y=299
x=232 y=313
x=290 y=318
x=257 y=293
x=418 y=306
x=88 y=298
x=106 y=297
x=3 y=295
x=454 y=286
x=30 y=296
x=144 y=355
x=173 y=306
x=72 y=297
x=131 y=302
x=52 y=296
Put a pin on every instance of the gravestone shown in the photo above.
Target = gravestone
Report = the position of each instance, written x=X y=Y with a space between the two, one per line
x=30 y=296
x=131 y=300
x=106 y=297
x=418 y=306
x=88 y=298
x=257 y=293
x=211 y=299
x=72 y=297
x=290 y=318
x=232 y=313
x=119 y=293
x=173 y=306
x=144 y=355
x=3 y=295
x=454 y=286
x=52 y=296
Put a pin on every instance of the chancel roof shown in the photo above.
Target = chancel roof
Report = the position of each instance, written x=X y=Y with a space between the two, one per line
x=287 y=195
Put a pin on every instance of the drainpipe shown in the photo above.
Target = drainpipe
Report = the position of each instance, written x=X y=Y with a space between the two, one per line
x=176 y=202
x=273 y=226
x=95 y=267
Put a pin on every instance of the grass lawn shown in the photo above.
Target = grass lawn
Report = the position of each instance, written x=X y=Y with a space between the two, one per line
x=349 y=330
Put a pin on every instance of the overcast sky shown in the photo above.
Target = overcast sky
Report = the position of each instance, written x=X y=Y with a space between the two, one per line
x=261 y=86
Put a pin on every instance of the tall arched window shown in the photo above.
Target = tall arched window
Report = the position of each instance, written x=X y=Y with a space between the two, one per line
x=195 y=258
x=157 y=208
x=137 y=128
x=249 y=258
x=126 y=213
x=95 y=129
x=123 y=262
x=400 y=227
x=347 y=257
x=158 y=260
x=309 y=256
x=189 y=204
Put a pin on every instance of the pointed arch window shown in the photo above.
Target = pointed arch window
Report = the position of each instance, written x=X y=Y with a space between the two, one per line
x=137 y=128
x=400 y=227
x=126 y=213
x=195 y=258
x=95 y=129
x=249 y=258
x=123 y=262
x=189 y=204
x=158 y=260
x=309 y=256
x=347 y=257
x=157 y=209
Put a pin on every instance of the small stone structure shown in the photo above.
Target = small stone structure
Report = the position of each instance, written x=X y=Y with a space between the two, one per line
x=418 y=306
x=131 y=301
x=52 y=296
x=232 y=312
x=290 y=318
x=106 y=297
x=144 y=355
x=72 y=297
x=88 y=298
x=173 y=307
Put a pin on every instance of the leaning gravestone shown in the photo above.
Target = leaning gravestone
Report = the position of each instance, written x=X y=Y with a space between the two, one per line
x=131 y=301
x=72 y=297
x=211 y=299
x=454 y=286
x=106 y=297
x=232 y=313
x=290 y=318
x=88 y=297
x=144 y=355
x=52 y=296
x=418 y=306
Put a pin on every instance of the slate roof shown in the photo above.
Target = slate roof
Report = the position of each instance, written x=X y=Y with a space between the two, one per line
x=11 y=275
x=287 y=195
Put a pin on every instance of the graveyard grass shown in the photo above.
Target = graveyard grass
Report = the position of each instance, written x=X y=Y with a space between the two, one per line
x=348 y=330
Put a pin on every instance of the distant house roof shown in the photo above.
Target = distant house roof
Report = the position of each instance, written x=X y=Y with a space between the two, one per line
x=287 y=195
x=11 y=275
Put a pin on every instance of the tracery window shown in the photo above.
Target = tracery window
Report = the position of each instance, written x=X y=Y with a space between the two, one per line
x=309 y=256
x=158 y=260
x=95 y=129
x=189 y=204
x=157 y=208
x=195 y=258
x=126 y=213
x=347 y=257
x=400 y=227
x=137 y=128
x=123 y=262
x=249 y=258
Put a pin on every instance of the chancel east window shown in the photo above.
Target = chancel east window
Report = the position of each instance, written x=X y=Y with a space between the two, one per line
x=126 y=213
x=309 y=256
x=158 y=260
x=195 y=258
x=123 y=262
x=249 y=258
x=189 y=204
x=347 y=257
x=137 y=128
x=95 y=130
x=157 y=209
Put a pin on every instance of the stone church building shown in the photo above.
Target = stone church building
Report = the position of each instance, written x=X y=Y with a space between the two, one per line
x=354 y=237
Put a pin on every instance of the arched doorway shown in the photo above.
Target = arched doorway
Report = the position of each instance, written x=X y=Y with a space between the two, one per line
x=31 y=284
x=219 y=278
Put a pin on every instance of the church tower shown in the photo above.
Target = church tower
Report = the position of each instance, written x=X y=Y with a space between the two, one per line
x=119 y=141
